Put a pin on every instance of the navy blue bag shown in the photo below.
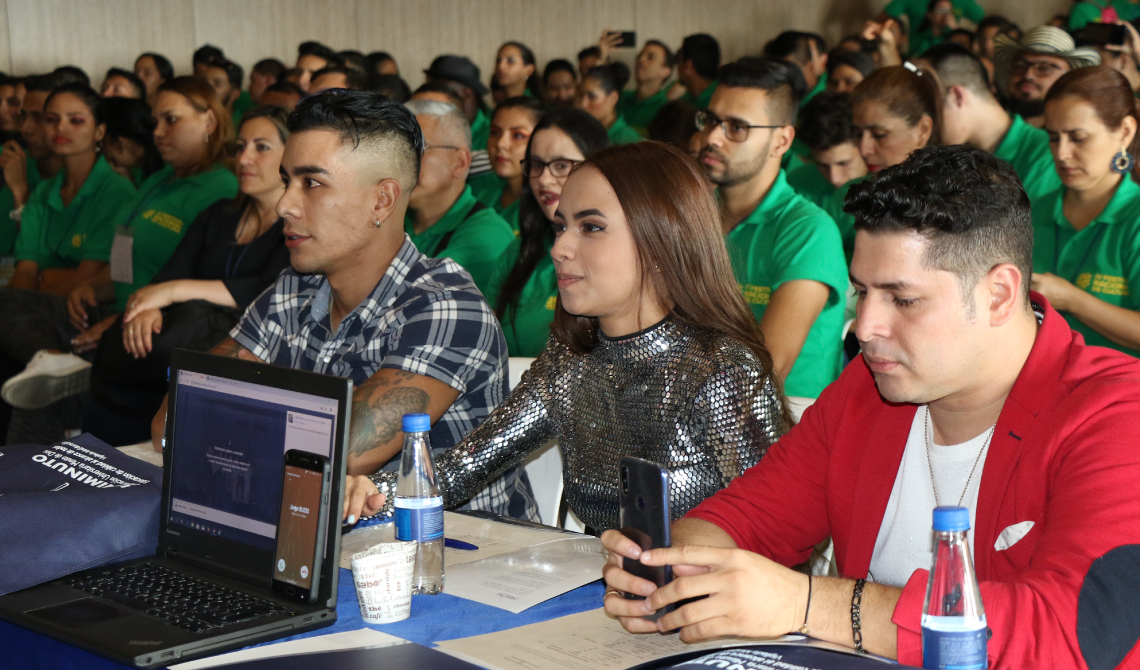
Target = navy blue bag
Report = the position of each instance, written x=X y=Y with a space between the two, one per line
x=74 y=505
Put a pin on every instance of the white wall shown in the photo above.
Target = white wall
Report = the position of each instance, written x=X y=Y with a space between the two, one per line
x=38 y=35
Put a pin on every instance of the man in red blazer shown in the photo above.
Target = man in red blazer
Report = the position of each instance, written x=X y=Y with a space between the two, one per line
x=970 y=391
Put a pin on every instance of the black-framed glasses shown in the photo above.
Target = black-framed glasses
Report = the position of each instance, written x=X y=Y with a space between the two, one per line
x=559 y=168
x=1042 y=69
x=734 y=129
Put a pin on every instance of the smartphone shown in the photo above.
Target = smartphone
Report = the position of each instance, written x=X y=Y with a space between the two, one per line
x=628 y=38
x=301 y=526
x=643 y=504
x=1103 y=33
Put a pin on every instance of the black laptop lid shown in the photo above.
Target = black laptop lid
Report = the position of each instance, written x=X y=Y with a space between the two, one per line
x=229 y=424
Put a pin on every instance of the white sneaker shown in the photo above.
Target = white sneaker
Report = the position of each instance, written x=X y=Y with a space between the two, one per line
x=49 y=377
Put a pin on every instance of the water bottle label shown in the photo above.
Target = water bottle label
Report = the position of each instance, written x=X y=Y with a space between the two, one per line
x=419 y=519
x=954 y=650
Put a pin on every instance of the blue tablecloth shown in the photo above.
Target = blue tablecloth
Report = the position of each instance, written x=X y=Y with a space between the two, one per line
x=433 y=619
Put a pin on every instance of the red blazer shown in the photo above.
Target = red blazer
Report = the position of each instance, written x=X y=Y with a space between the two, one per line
x=1065 y=455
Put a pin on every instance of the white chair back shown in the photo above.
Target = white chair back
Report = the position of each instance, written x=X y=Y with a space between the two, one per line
x=543 y=467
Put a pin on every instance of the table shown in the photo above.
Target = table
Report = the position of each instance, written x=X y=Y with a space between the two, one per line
x=434 y=618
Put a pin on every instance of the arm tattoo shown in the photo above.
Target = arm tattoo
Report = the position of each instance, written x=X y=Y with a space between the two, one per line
x=376 y=421
x=228 y=348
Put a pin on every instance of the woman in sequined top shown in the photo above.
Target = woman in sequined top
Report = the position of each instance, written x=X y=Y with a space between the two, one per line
x=654 y=353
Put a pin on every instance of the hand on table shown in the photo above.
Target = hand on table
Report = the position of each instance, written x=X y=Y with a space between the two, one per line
x=138 y=334
x=731 y=578
x=361 y=498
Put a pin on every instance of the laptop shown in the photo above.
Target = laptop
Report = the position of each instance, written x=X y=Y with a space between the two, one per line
x=208 y=588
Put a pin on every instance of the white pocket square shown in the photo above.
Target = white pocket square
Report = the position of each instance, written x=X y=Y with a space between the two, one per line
x=1012 y=535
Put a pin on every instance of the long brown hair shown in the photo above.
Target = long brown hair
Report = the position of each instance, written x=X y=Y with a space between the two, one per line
x=906 y=93
x=201 y=96
x=681 y=254
x=1107 y=92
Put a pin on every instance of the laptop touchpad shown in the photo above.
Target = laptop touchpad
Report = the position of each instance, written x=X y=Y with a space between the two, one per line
x=78 y=613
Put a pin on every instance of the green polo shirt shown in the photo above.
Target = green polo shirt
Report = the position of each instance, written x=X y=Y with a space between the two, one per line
x=915 y=12
x=784 y=239
x=922 y=40
x=820 y=86
x=806 y=179
x=487 y=187
x=160 y=214
x=510 y=214
x=1103 y=258
x=55 y=236
x=480 y=131
x=476 y=241
x=833 y=205
x=1027 y=149
x=8 y=227
x=640 y=113
x=702 y=100
x=527 y=328
x=243 y=104
x=621 y=133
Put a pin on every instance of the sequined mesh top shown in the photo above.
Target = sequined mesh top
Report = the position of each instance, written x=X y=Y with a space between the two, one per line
x=700 y=405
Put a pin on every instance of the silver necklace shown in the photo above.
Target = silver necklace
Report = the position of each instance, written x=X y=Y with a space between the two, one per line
x=929 y=435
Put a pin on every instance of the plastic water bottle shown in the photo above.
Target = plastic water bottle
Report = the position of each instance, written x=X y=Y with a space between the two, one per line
x=954 y=629
x=419 y=507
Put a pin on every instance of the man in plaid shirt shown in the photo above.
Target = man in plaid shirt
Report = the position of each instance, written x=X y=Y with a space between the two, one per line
x=412 y=332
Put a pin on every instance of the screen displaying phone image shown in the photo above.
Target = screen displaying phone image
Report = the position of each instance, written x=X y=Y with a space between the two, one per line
x=298 y=529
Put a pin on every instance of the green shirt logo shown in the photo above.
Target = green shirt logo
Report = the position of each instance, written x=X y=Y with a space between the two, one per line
x=756 y=295
x=164 y=220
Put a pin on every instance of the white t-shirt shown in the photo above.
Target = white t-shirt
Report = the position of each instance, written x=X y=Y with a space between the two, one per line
x=905 y=541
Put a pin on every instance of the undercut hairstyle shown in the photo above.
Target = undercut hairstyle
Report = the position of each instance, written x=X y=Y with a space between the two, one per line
x=207 y=52
x=66 y=74
x=590 y=52
x=670 y=57
x=558 y=65
x=448 y=116
x=907 y=94
x=858 y=60
x=443 y=88
x=161 y=63
x=795 y=46
x=782 y=82
x=956 y=66
x=675 y=224
x=270 y=67
x=703 y=52
x=390 y=85
x=1105 y=90
x=825 y=122
x=89 y=96
x=969 y=205
x=354 y=80
x=234 y=73
x=361 y=118
x=611 y=76
x=136 y=83
x=131 y=119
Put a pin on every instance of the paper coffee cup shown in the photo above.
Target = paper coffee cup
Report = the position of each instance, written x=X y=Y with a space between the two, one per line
x=383 y=578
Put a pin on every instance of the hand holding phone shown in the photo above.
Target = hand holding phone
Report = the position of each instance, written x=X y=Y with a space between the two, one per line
x=643 y=502
x=301 y=526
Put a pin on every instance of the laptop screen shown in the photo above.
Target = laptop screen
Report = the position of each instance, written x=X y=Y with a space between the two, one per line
x=231 y=442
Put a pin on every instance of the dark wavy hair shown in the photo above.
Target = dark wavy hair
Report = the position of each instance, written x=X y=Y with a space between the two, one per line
x=535 y=233
x=969 y=205
x=825 y=122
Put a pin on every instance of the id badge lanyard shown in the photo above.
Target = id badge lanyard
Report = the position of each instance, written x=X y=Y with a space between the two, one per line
x=122 y=250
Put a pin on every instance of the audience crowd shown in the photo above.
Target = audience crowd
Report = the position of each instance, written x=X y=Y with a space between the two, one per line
x=930 y=230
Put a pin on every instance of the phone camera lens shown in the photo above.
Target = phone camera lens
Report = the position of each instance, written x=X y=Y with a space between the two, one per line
x=640 y=502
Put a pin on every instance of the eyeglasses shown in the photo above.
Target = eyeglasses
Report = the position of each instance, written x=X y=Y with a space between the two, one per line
x=734 y=129
x=1043 y=69
x=559 y=169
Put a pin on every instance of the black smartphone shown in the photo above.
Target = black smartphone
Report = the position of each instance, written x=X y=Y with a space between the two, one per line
x=628 y=38
x=643 y=503
x=1103 y=33
x=302 y=525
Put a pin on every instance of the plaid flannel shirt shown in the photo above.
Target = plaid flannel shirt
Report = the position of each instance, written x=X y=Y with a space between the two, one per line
x=424 y=316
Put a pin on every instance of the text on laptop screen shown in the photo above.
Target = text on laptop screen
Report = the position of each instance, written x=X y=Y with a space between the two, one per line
x=230 y=439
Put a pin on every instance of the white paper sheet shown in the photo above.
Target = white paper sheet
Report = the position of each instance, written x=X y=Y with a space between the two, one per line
x=355 y=639
x=585 y=641
x=492 y=538
x=143 y=451
x=520 y=579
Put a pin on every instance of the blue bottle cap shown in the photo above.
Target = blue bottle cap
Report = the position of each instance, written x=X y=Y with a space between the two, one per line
x=951 y=519
x=416 y=423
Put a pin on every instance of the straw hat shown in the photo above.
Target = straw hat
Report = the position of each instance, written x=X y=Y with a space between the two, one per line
x=1045 y=40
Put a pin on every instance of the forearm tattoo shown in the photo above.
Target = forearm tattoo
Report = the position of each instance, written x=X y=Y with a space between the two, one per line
x=379 y=408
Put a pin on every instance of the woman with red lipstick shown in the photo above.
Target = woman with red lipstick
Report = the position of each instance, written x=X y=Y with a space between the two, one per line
x=524 y=290
x=511 y=128
x=897 y=109
x=1086 y=246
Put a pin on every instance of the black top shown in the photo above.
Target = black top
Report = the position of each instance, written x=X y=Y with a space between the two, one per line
x=208 y=251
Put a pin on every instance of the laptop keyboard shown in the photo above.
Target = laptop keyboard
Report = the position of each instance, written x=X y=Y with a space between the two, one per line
x=190 y=603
